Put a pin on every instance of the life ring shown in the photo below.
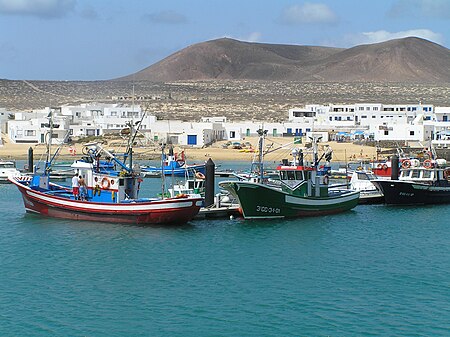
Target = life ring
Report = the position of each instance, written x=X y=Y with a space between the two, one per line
x=385 y=167
x=380 y=166
x=325 y=180
x=406 y=164
x=199 y=175
x=428 y=164
x=105 y=183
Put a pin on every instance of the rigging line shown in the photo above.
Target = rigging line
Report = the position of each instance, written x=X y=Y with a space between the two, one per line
x=274 y=141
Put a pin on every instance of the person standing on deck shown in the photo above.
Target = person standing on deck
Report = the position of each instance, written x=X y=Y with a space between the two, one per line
x=82 y=188
x=75 y=186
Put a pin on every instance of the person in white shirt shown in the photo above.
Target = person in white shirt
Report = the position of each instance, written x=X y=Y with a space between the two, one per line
x=75 y=186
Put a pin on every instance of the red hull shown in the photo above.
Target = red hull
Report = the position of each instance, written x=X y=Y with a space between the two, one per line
x=168 y=211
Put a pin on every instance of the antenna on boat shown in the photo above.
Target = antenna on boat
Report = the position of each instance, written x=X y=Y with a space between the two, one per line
x=315 y=141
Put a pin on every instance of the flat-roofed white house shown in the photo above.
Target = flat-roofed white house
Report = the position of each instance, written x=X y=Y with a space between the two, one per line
x=195 y=134
x=98 y=118
x=239 y=130
x=378 y=121
x=34 y=127
x=441 y=127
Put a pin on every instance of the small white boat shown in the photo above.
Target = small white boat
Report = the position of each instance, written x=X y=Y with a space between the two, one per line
x=192 y=186
x=368 y=193
x=8 y=169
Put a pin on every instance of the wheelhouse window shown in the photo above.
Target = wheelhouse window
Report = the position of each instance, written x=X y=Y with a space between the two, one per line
x=299 y=175
x=405 y=173
x=427 y=174
x=415 y=174
x=291 y=175
x=362 y=176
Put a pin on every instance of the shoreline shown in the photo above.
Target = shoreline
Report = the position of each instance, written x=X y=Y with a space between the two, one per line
x=342 y=152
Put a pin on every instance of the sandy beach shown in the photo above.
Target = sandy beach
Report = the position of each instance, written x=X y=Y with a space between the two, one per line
x=341 y=151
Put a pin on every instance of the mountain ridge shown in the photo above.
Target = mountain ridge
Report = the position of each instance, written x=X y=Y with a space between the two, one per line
x=408 y=59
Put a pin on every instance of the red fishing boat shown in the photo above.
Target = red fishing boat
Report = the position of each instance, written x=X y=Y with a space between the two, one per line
x=110 y=196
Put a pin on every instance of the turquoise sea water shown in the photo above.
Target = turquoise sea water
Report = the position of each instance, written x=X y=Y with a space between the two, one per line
x=377 y=270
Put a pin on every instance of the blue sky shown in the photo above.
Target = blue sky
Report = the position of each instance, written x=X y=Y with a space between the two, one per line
x=104 y=39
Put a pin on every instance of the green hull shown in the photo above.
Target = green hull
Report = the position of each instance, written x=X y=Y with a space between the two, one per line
x=261 y=201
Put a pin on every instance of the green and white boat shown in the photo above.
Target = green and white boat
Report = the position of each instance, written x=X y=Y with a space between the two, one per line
x=302 y=190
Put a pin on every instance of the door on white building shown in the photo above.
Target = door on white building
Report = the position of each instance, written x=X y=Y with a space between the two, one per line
x=192 y=139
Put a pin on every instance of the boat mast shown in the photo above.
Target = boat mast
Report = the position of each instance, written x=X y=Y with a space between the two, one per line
x=261 y=133
x=131 y=139
x=49 y=143
x=163 y=181
x=315 y=145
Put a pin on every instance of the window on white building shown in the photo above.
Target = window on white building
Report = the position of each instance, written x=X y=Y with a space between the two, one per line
x=386 y=132
x=411 y=133
x=30 y=133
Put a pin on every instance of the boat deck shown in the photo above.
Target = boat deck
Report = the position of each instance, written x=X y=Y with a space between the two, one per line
x=218 y=212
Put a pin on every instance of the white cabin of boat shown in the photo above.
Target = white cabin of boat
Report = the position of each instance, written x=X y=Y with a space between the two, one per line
x=122 y=186
x=361 y=181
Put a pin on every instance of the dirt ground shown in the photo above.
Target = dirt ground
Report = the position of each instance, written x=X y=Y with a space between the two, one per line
x=278 y=148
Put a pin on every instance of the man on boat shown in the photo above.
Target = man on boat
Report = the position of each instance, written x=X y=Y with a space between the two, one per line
x=75 y=186
x=82 y=188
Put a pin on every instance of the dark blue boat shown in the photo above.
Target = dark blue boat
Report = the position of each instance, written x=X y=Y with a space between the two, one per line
x=174 y=164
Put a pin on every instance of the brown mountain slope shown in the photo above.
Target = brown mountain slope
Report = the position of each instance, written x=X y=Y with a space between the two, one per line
x=402 y=60
x=232 y=59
